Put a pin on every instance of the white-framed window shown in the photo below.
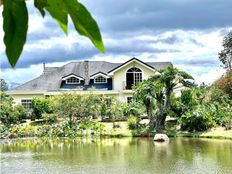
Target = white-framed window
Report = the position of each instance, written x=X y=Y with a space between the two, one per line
x=138 y=77
x=129 y=99
x=73 y=80
x=133 y=76
x=27 y=103
x=100 y=79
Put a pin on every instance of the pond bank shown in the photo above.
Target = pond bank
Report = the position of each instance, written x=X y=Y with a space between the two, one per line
x=121 y=130
x=217 y=133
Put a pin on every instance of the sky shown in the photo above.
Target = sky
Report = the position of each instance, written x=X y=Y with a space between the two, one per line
x=188 y=33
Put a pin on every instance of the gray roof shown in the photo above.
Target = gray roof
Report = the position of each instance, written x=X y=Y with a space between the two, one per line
x=51 y=78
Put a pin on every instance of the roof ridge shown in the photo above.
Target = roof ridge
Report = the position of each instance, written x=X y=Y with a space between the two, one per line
x=28 y=82
x=161 y=62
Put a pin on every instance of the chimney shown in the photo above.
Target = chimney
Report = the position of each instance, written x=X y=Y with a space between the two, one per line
x=86 y=69
x=44 y=66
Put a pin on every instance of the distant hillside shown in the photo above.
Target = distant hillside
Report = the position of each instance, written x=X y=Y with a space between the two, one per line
x=12 y=85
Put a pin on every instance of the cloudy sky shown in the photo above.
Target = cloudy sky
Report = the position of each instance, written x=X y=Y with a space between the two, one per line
x=186 y=32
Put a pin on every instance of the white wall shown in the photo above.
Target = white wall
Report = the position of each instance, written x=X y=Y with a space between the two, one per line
x=19 y=97
x=119 y=77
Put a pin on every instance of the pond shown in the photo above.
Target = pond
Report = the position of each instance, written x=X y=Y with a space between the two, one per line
x=110 y=156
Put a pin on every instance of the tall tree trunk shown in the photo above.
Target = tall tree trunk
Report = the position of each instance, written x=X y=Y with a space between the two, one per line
x=167 y=101
x=150 y=117
x=163 y=107
x=160 y=121
x=161 y=116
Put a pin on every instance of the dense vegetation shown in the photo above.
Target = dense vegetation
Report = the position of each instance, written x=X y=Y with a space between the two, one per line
x=196 y=108
x=171 y=93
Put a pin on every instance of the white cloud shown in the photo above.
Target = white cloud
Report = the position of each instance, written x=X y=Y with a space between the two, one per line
x=194 y=51
x=22 y=75
x=209 y=77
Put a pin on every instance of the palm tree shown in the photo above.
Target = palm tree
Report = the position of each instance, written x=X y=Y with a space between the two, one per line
x=144 y=92
x=150 y=92
x=171 y=78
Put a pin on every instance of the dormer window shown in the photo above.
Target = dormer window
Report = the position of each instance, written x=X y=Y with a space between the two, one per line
x=100 y=79
x=73 y=80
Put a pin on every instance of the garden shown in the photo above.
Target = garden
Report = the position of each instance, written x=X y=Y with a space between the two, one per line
x=170 y=103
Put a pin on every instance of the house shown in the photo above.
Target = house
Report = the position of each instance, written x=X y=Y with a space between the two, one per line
x=96 y=77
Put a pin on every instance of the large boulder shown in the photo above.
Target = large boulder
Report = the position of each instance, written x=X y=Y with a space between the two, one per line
x=161 y=138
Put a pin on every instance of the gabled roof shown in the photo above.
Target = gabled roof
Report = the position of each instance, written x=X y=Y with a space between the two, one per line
x=99 y=74
x=129 y=61
x=72 y=75
x=51 y=78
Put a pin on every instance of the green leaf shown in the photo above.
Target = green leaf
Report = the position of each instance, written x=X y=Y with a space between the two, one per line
x=15 y=25
x=84 y=22
x=40 y=4
x=57 y=10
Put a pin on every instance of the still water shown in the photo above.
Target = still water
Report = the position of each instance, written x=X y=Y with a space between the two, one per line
x=110 y=156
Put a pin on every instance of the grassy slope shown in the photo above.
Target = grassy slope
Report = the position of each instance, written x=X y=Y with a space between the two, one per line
x=171 y=130
x=218 y=132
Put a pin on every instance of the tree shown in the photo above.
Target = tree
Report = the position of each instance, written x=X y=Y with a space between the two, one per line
x=225 y=83
x=40 y=106
x=10 y=114
x=15 y=22
x=67 y=106
x=147 y=92
x=160 y=87
x=172 y=79
x=76 y=107
x=3 y=85
x=225 y=56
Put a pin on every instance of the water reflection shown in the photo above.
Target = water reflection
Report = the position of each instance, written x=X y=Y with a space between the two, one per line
x=127 y=155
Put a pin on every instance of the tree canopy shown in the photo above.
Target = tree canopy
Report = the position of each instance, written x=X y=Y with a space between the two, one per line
x=225 y=56
x=160 y=88
x=3 y=85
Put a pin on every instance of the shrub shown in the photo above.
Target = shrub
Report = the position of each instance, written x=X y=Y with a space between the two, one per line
x=219 y=112
x=225 y=83
x=133 y=122
x=76 y=107
x=3 y=131
x=218 y=95
x=116 y=111
x=23 y=131
x=49 y=118
x=187 y=101
x=199 y=119
x=80 y=129
x=20 y=112
x=132 y=109
x=223 y=114
x=40 y=106
x=10 y=114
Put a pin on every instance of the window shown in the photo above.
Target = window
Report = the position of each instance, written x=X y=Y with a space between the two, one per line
x=73 y=80
x=100 y=79
x=129 y=99
x=133 y=76
x=27 y=103
x=137 y=77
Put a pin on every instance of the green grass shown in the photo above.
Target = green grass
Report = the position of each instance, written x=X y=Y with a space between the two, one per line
x=171 y=130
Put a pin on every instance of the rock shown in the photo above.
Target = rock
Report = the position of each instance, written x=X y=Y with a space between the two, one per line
x=161 y=137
